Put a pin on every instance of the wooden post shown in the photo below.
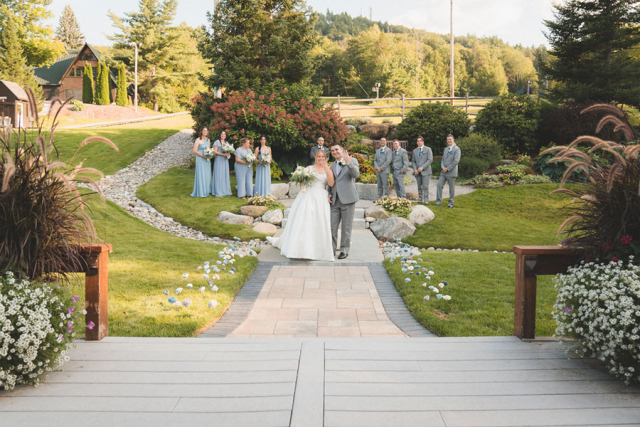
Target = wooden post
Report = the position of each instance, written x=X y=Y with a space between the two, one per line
x=339 y=112
x=96 y=290
x=403 y=106
x=466 y=104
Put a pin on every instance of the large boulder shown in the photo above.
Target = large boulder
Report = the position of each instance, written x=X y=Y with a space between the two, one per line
x=376 y=212
x=351 y=129
x=392 y=229
x=273 y=217
x=421 y=215
x=230 y=218
x=369 y=142
x=279 y=191
x=375 y=131
x=411 y=195
x=294 y=189
x=264 y=228
x=253 y=211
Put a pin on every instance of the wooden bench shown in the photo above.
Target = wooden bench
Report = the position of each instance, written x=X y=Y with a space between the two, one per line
x=96 y=257
x=531 y=262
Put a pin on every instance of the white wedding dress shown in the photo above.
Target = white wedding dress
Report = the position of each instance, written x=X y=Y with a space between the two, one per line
x=307 y=234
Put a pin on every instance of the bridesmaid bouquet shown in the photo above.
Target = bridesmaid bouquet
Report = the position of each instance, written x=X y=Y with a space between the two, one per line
x=228 y=148
x=249 y=158
x=265 y=157
x=303 y=176
x=209 y=153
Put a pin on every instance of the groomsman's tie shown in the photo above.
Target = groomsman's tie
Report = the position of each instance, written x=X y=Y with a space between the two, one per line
x=419 y=152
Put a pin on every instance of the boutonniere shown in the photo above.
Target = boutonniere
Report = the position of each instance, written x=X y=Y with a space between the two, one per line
x=342 y=162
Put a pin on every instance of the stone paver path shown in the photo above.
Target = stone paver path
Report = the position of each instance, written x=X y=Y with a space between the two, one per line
x=318 y=301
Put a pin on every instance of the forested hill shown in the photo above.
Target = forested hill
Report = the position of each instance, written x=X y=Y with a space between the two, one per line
x=355 y=53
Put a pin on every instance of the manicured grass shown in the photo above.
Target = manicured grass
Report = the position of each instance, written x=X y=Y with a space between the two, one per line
x=494 y=219
x=481 y=286
x=144 y=262
x=133 y=141
x=170 y=192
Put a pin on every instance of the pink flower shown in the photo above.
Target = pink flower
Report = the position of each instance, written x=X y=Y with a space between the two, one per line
x=91 y=325
x=614 y=259
x=626 y=239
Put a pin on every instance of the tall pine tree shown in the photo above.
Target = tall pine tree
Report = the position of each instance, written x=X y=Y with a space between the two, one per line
x=87 y=84
x=121 y=97
x=591 y=56
x=13 y=63
x=68 y=30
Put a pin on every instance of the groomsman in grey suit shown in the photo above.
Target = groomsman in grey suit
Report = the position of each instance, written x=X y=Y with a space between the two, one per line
x=315 y=148
x=422 y=159
x=450 y=160
x=400 y=165
x=382 y=164
x=343 y=197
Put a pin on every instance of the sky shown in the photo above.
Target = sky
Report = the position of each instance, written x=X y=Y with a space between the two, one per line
x=514 y=21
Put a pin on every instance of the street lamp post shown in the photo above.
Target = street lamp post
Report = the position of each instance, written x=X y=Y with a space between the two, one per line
x=135 y=74
x=376 y=89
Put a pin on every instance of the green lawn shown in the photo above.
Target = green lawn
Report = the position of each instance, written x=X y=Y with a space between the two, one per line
x=481 y=286
x=145 y=261
x=170 y=192
x=133 y=140
x=494 y=219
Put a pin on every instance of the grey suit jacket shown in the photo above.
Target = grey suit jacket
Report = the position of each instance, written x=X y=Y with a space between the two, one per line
x=383 y=161
x=451 y=160
x=345 y=182
x=400 y=160
x=422 y=161
x=315 y=148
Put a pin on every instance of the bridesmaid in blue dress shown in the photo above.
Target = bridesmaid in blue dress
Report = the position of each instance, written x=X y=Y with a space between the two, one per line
x=221 y=184
x=244 y=170
x=263 y=170
x=202 y=182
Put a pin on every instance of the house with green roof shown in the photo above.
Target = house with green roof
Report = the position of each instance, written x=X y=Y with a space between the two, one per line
x=63 y=79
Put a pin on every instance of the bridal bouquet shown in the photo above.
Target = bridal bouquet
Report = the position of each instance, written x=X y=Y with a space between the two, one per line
x=265 y=157
x=228 y=148
x=209 y=153
x=249 y=158
x=303 y=176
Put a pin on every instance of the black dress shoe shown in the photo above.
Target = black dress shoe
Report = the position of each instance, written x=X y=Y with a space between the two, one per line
x=342 y=255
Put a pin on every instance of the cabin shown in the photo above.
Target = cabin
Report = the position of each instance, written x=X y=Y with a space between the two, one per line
x=15 y=110
x=63 y=79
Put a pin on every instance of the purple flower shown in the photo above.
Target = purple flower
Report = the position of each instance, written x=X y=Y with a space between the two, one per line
x=91 y=325
x=70 y=324
x=568 y=310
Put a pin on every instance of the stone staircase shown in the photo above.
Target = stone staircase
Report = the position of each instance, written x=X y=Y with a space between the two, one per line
x=358 y=219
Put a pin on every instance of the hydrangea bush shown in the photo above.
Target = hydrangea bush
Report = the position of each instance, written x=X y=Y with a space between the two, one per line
x=36 y=325
x=599 y=305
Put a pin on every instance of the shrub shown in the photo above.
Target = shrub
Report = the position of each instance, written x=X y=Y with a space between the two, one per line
x=433 y=122
x=269 y=201
x=365 y=166
x=395 y=205
x=367 y=178
x=515 y=170
x=37 y=325
x=362 y=149
x=525 y=160
x=358 y=122
x=77 y=105
x=599 y=306
x=471 y=166
x=534 y=179
x=604 y=216
x=87 y=84
x=43 y=213
x=513 y=121
x=276 y=172
x=481 y=147
x=122 y=99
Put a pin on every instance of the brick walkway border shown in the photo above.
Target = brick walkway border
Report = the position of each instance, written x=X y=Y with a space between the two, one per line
x=242 y=304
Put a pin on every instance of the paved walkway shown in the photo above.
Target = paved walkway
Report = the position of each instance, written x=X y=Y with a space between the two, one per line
x=315 y=382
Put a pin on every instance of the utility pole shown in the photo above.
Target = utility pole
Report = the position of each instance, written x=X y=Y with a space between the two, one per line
x=135 y=73
x=417 y=63
x=451 y=65
x=370 y=13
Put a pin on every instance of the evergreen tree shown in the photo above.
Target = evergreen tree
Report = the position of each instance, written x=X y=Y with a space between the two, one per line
x=68 y=30
x=107 y=94
x=591 y=56
x=13 y=64
x=257 y=41
x=121 y=98
x=101 y=96
x=87 y=84
x=97 y=90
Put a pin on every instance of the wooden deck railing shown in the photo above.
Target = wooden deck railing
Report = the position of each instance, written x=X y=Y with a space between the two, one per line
x=531 y=262
x=96 y=289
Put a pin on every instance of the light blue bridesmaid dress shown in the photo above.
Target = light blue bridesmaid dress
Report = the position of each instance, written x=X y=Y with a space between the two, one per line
x=263 y=178
x=244 y=175
x=221 y=185
x=202 y=182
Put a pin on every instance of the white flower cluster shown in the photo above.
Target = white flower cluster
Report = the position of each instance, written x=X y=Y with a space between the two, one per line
x=599 y=305
x=228 y=148
x=33 y=321
x=302 y=176
x=249 y=158
x=209 y=153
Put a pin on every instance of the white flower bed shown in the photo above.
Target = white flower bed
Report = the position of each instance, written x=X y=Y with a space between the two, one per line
x=35 y=327
x=599 y=305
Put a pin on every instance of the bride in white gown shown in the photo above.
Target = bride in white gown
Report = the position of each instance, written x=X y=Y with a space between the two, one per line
x=307 y=234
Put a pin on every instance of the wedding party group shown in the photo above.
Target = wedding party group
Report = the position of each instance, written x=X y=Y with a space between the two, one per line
x=217 y=182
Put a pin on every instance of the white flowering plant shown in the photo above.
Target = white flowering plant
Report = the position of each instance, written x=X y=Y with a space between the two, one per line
x=37 y=324
x=249 y=158
x=228 y=148
x=398 y=206
x=599 y=305
x=264 y=158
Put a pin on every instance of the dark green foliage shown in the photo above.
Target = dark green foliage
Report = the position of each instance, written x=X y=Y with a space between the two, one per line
x=471 y=166
x=592 y=46
x=481 y=147
x=433 y=122
x=87 y=84
x=101 y=95
x=338 y=26
x=13 y=63
x=362 y=149
x=68 y=31
x=253 y=40
x=513 y=122
x=121 y=98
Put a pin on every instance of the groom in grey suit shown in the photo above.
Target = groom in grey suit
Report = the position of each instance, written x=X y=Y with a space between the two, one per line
x=422 y=158
x=343 y=197
x=449 y=173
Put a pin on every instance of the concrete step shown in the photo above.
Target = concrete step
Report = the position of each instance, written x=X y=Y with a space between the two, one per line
x=358 y=223
x=359 y=213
